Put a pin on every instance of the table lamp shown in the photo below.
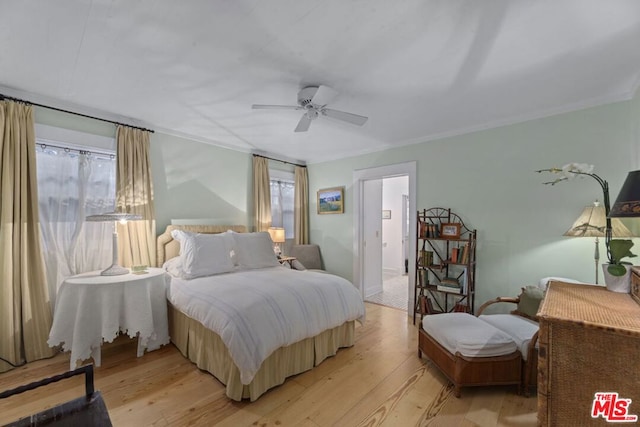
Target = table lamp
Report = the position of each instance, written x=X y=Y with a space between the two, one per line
x=592 y=222
x=627 y=204
x=114 y=269
x=277 y=235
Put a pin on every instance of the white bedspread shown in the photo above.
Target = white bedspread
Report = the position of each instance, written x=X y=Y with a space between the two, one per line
x=257 y=311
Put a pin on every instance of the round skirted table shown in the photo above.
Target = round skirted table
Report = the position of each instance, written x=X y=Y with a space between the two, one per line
x=91 y=308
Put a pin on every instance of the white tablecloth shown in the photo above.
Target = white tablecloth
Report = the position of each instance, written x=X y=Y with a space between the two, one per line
x=91 y=308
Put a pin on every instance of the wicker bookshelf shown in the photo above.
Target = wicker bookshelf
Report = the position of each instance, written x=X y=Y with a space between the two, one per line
x=445 y=263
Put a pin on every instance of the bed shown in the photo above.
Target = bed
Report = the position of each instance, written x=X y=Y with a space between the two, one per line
x=198 y=309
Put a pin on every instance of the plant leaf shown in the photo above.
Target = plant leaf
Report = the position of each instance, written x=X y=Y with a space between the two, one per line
x=616 y=270
x=620 y=248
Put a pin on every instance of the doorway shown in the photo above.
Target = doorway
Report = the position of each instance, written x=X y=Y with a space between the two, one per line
x=392 y=289
x=370 y=267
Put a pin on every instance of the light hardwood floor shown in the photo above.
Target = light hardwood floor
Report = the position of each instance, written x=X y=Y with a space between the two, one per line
x=378 y=381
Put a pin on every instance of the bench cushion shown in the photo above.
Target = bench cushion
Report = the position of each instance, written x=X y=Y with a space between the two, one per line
x=521 y=330
x=466 y=334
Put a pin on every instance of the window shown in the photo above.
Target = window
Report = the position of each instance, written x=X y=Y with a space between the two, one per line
x=74 y=181
x=282 y=200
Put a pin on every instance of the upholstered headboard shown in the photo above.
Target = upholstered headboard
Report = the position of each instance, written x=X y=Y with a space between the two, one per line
x=167 y=248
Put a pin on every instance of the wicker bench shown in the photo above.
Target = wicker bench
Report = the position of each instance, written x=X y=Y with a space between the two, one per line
x=469 y=352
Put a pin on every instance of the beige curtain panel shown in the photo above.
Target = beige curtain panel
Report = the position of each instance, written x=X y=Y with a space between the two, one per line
x=261 y=193
x=134 y=195
x=25 y=312
x=301 y=206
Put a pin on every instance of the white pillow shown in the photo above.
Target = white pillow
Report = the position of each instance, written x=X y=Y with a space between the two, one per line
x=174 y=267
x=254 y=250
x=204 y=254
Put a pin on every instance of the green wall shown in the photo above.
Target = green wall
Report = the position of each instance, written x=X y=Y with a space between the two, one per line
x=488 y=178
x=192 y=180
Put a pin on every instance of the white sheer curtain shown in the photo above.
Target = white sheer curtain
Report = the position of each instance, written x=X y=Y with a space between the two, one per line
x=71 y=185
x=282 y=203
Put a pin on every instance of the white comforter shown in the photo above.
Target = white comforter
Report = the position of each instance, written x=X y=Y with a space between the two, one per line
x=257 y=311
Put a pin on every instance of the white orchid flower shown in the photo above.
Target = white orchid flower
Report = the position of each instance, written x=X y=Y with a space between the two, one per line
x=571 y=170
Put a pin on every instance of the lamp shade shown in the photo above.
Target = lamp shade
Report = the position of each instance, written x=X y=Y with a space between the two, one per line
x=628 y=202
x=592 y=222
x=277 y=234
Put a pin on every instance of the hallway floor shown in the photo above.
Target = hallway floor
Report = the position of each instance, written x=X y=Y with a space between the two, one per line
x=394 y=291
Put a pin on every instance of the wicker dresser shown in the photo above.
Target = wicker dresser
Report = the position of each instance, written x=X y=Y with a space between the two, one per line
x=589 y=342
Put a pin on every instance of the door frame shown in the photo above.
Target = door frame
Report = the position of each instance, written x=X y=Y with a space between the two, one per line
x=408 y=169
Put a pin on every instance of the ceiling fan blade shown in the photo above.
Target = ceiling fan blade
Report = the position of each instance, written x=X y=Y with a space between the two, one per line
x=275 y=107
x=354 y=119
x=303 y=124
x=323 y=96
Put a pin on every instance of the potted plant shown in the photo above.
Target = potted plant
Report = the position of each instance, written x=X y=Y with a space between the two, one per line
x=617 y=275
x=620 y=249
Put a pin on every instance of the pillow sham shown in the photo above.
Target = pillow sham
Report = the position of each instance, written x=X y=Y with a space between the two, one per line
x=204 y=254
x=254 y=250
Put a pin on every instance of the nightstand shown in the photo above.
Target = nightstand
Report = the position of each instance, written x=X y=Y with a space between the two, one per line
x=91 y=308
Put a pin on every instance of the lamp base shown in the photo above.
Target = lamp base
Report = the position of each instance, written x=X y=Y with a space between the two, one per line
x=114 y=270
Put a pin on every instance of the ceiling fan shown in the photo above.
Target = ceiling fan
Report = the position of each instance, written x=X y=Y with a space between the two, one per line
x=314 y=100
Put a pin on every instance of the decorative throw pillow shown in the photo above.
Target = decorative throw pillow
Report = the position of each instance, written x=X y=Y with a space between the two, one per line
x=297 y=265
x=204 y=254
x=254 y=250
x=530 y=300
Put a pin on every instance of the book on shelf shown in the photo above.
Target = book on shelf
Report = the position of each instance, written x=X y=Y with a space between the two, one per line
x=424 y=279
x=461 y=308
x=464 y=255
x=426 y=258
x=423 y=230
x=450 y=281
x=423 y=304
x=463 y=285
x=426 y=306
x=454 y=254
x=450 y=289
x=432 y=231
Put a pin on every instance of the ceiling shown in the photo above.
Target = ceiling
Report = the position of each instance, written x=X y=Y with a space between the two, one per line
x=418 y=69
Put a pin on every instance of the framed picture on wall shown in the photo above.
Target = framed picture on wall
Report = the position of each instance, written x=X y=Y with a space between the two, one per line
x=331 y=200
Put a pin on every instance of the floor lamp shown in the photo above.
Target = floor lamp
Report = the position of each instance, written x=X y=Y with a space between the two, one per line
x=592 y=222
x=114 y=269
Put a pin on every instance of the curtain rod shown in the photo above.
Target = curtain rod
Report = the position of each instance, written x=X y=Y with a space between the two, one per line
x=77 y=150
x=278 y=160
x=11 y=98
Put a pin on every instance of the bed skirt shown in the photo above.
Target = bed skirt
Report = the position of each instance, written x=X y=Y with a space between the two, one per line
x=206 y=349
